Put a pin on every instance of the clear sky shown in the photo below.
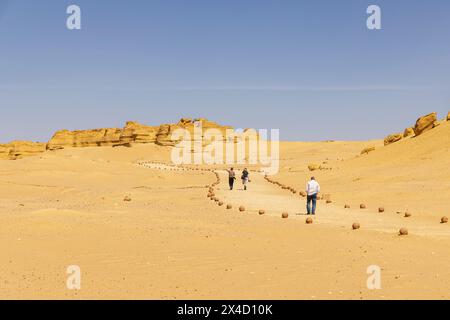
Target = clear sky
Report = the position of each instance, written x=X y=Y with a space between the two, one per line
x=310 y=68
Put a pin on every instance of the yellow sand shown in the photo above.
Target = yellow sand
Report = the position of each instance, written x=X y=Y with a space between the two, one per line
x=170 y=242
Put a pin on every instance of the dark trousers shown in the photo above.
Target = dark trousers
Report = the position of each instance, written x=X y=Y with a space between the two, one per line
x=313 y=199
x=231 y=182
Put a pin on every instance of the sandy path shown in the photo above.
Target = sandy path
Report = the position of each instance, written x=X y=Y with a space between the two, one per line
x=274 y=201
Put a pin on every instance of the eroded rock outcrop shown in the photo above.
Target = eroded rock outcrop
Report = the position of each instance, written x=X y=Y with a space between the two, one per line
x=368 y=150
x=20 y=149
x=164 y=135
x=85 y=138
x=408 y=132
x=138 y=133
x=133 y=132
x=425 y=123
x=448 y=116
x=392 y=138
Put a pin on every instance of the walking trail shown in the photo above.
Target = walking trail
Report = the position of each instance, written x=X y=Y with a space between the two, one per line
x=262 y=195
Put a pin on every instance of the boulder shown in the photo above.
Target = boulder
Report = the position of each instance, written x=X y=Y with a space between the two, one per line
x=425 y=123
x=163 y=137
x=408 y=132
x=367 y=150
x=448 y=116
x=392 y=138
x=403 y=232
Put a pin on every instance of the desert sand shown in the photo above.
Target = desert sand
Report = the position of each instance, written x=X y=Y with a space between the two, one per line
x=170 y=241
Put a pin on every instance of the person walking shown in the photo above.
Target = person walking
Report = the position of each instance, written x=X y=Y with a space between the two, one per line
x=245 y=178
x=231 y=178
x=312 y=190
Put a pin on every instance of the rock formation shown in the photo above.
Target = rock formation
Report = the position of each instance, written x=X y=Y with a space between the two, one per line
x=19 y=149
x=138 y=133
x=448 y=116
x=313 y=167
x=425 y=123
x=367 y=150
x=392 y=138
x=133 y=132
x=163 y=137
x=408 y=132
x=85 y=138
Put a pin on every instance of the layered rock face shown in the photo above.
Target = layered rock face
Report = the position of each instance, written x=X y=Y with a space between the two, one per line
x=133 y=132
x=20 y=149
x=85 y=138
x=138 y=133
x=408 y=132
x=165 y=132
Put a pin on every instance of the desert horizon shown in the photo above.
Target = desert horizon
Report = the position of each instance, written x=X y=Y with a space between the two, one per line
x=140 y=227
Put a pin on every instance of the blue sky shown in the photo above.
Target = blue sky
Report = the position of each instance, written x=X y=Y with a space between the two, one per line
x=310 y=68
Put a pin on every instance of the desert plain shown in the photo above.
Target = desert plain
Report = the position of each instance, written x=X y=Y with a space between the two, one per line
x=140 y=227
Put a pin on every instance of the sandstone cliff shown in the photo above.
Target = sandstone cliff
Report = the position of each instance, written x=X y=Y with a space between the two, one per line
x=138 y=133
x=133 y=132
x=19 y=149
x=85 y=138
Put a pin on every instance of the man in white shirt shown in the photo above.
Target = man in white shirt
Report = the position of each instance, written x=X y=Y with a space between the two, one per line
x=312 y=190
